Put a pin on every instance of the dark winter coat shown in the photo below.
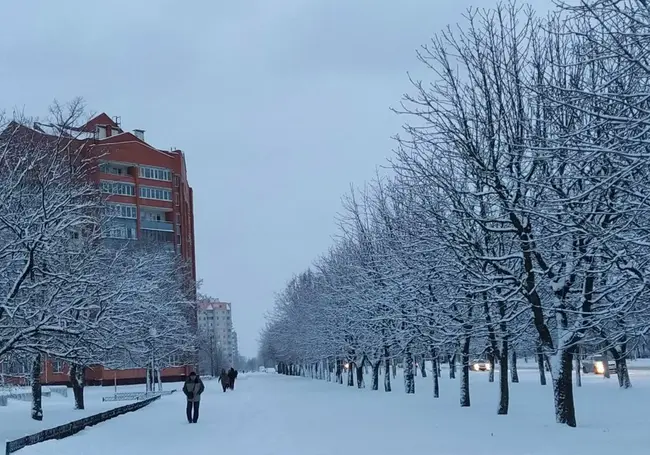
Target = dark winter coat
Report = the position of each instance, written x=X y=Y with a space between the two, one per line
x=232 y=374
x=193 y=389
x=224 y=378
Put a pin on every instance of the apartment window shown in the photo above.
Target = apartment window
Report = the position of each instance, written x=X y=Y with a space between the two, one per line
x=119 y=188
x=156 y=236
x=123 y=211
x=152 y=216
x=155 y=174
x=57 y=366
x=160 y=194
x=121 y=232
x=108 y=168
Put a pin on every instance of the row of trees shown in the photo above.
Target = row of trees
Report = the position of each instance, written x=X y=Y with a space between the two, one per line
x=66 y=291
x=516 y=218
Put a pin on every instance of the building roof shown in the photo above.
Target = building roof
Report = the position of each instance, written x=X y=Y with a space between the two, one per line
x=101 y=119
x=208 y=305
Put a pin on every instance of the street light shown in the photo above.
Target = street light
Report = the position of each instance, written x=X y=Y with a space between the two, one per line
x=154 y=333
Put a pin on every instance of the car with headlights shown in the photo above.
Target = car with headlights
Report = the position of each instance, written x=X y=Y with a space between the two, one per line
x=596 y=365
x=480 y=365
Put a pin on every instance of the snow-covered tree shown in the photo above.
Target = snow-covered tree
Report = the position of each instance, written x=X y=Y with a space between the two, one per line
x=66 y=292
x=515 y=221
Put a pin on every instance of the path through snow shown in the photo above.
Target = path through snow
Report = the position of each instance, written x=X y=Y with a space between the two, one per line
x=276 y=415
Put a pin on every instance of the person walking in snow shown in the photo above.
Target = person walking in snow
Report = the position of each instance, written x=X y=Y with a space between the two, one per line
x=193 y=388
x=232 y=375
x=224 y=379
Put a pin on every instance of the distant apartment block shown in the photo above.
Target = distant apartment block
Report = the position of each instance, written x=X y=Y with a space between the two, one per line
x=215 y=326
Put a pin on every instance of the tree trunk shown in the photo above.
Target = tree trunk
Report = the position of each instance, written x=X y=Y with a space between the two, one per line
x=577 y=367
x=409 y=377
x=491 y=362
x=464 y=373
x=339 y=371
x=540 y=365
x=565 y=412
x=394 y=369
x=452 y=366
x=623 y=373
x=513 y=368
x=435 y=372
x=423 y=367
x=387 y=387
x=351 y=374
x=375 y=375
x=360 y=383
x=77 y=382
x=504 y=390
x=37 y=397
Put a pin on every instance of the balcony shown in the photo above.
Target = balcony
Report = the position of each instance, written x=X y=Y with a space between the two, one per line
x=157 y=225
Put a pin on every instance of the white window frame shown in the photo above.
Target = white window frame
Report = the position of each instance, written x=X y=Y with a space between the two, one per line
x=156 y=193
x=113 y=169
x=117 y=188
x=155 y=173
x=127 y=211
x=152 y=216
x=121 y=232
x=58 y=366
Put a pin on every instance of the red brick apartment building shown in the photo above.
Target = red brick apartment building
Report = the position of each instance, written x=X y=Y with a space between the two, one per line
x=152 y=200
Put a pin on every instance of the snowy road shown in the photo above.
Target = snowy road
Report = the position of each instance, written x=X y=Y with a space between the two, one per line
x=277 y=415
x=262 y=416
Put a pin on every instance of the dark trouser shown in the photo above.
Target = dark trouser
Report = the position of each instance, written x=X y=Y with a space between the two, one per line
x=232 y=383
x=192 y=406
x=225 y=386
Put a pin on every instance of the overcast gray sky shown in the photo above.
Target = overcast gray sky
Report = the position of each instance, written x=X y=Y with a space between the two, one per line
x=278 y=104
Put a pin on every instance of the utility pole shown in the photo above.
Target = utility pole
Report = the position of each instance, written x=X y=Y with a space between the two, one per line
x=212 y=372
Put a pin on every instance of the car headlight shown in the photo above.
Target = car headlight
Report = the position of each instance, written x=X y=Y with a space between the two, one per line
x=600 y=367
x=488 y=366
x=476 y=367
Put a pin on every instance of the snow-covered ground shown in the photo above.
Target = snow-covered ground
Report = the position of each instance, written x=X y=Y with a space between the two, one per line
x=16 y=421
x=270 y=414
x=638 y=364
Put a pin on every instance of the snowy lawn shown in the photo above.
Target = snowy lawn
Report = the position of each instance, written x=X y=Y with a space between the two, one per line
x=270 y=414
x=16 y=421
x=638 y=364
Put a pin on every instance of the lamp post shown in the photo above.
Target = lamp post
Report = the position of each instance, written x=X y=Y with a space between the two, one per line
x=212 y=354
x=153 y=332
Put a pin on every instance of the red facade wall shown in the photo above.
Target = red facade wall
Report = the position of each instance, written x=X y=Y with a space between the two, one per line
x=98 y=375
x=126 y=148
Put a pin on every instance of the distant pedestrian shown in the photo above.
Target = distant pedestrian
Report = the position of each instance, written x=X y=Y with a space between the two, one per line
x=224 y=379
x=232 y=375
x=193 y=388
